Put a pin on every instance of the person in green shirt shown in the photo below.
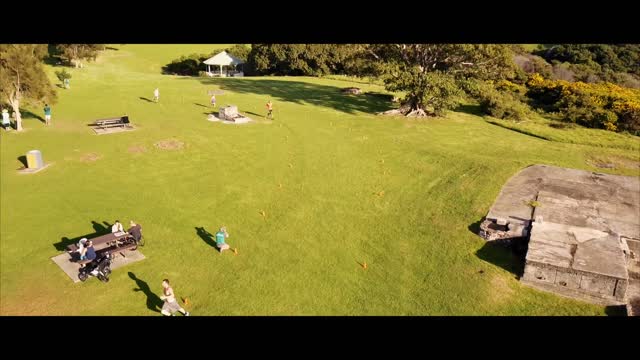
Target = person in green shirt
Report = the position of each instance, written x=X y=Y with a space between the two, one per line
x=221 y=236
x=47 y=114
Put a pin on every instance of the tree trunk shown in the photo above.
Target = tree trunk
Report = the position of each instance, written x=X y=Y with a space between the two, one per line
x=411 y=108
x=15 y=105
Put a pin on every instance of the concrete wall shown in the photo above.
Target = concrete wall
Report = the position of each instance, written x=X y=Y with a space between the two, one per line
x=576 y=284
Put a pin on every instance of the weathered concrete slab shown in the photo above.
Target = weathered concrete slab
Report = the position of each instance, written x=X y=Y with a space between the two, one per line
x=33 y=171
x=71 y=268
x=113 y=130
x=579 y=222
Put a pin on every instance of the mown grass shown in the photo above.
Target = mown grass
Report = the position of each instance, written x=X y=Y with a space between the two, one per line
x=338 y=185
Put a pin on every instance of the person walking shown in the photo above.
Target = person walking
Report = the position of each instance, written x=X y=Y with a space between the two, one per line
x=270 y=109
x=156 y=95
x=213 y=100
x=47 y=114
x=170 y=305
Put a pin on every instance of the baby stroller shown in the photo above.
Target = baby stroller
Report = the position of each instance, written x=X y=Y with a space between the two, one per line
x=100 y=268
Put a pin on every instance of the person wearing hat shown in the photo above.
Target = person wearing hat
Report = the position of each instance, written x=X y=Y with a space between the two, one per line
x=220 y=240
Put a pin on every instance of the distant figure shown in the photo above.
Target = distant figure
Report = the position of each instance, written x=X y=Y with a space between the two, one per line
x=220 y=240
x=213 y=100
x=117 y=227
x=47 y=114
x=270 y=110
x=170 y=303
x=6 y=121
x=135 y=230
x=156 y=95
x=66 y=83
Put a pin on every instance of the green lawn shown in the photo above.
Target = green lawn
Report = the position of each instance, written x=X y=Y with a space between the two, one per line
x=339 y=186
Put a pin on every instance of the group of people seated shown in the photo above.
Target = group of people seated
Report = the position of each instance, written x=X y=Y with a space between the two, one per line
x=85 y=246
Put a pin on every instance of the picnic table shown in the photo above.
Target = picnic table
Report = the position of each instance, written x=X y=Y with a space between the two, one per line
x=113 y=242
x=121 y=121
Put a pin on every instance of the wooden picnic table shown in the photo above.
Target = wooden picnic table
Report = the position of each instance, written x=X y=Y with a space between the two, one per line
x=103 y=241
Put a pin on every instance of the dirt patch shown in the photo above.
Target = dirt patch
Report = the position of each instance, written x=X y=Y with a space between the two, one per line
x=613 y=162
x=170 y=144
x=90 y=157
x=137 y=149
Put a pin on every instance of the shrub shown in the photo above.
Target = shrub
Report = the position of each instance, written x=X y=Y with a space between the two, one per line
x=186 y=65
x=503 y=105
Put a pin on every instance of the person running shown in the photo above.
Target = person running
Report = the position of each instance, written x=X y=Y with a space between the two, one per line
x=270 y=109
x=156 y=95
x=6 y=121
x=213 y=100
x=170 y=305
x=47 y=114
x=220 y=240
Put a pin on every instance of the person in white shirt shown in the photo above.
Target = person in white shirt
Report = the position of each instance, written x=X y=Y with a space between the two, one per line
x=117 y=227
x=6 y=123
x=156 y=95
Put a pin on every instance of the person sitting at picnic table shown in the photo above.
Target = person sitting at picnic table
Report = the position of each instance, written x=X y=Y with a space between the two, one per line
x=117 y=227
x=80 y=248
x=135 y=230
x=88 y=253
x=220 y=240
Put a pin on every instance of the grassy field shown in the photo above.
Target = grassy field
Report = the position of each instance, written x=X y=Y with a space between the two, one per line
x=338 y=185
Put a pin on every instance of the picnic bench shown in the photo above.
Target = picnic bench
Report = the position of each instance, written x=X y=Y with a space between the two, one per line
x=117 y=242
x=122 y=121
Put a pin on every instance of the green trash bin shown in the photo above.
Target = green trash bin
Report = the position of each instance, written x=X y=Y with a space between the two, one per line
x=34 y=159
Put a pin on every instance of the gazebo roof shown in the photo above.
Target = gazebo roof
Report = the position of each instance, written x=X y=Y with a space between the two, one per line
x=222 y=59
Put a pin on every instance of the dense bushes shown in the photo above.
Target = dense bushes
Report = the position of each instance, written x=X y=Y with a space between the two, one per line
x=299 y=59
x=192 y=65
x=603 y=105
x=186 y=65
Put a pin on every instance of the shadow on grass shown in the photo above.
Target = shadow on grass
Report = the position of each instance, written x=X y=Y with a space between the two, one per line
x=510 y=258
x=206 y=236
x=23 y=160
x=503 y=257
x=26 y=114
x=146 y=99
x=99 y=229
x=111 y=48
x=517 y=130
x=299 y=92
x=616 y=310
x=201 y=105
x=252 y=113
x=154 y=303
x=470 y=109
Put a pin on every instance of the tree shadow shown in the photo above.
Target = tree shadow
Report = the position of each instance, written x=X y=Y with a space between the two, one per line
x=145 y=99
x=206 y=236
x=471 y=109
x=23 y=160
x=299 y=92
x=616 y=310
x=26 y=114
x=99 y=229
x=154 y=303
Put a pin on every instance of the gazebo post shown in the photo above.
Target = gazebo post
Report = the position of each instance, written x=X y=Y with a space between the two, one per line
x=220 y=70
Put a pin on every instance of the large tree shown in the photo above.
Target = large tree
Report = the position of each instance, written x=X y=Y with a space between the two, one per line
x=298 y=59
x=22 y=76
x=75 y=53
x=428 y=73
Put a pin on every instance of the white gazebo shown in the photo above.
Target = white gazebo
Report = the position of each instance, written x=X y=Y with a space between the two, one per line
x=224 y=59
